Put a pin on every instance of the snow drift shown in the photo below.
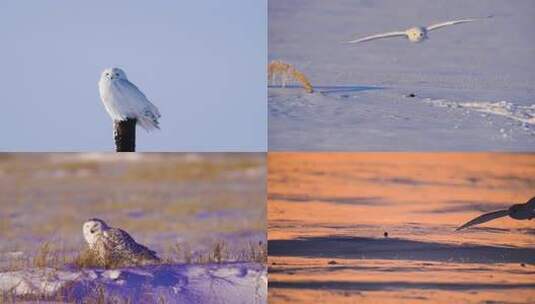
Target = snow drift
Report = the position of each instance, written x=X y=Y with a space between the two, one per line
x=210 y=283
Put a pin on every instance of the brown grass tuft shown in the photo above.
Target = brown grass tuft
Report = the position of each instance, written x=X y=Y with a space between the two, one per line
x=181 y=252
x=285 y=72
x=86 y=259
x=48 y=256
x=257 y=252
x=218 y=252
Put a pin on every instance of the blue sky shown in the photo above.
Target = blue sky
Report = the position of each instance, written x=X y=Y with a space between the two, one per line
x=202 y=63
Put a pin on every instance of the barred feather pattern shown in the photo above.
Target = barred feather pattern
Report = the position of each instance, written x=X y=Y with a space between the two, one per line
x=114 y=247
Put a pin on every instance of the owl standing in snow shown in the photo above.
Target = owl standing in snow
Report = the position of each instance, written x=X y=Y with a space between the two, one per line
x=115 y=247
x=123 y=100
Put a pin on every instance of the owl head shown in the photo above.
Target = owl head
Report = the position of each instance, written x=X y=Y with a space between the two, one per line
x=113 y=73
x=92 y=228
x=417 y=34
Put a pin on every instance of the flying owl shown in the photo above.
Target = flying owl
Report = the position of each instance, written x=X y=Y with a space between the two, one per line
x=115 y=247
x=417 y=33
x=525 y=211
x=123 y=100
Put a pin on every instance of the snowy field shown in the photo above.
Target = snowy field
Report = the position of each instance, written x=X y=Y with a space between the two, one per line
x=242 y=283
x=468 y=87
x=204 y=214
x=380 y=228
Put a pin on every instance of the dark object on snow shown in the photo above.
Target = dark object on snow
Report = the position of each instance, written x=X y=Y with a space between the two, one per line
x=385 y=234
x=332 y=262
x=411 y=95
x=124 y=133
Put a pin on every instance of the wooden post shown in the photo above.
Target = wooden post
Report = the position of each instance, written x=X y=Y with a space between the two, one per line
x=124 y=133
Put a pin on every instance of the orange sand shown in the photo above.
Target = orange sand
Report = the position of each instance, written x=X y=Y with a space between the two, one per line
x=414 y=196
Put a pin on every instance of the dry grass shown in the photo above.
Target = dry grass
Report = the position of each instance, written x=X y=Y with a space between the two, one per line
x=46 y=256
x=8 y=297
x=220 y=252
x=17 y=166
x=5 y=226
x=179 y=252
x=86 y=259
x=49 y=256
x=287 y=72
x=136 y=196
x=92 y=166
x=257 y=253
x=190 y=171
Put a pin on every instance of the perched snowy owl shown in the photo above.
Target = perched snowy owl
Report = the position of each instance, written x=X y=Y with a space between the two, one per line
x=415 y=34
x=124 y=100
x=115 y=247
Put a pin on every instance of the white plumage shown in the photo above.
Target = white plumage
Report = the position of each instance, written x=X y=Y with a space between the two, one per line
x=414 y=34
x=114 y=247
x=123 y=100
x=524 y=211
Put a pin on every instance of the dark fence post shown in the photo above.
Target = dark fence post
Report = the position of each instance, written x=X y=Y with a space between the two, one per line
x=124 y=133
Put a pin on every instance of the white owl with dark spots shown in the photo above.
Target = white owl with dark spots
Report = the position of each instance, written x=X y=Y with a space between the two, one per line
x=114 y=247
x=123 y=100
x=417 y=33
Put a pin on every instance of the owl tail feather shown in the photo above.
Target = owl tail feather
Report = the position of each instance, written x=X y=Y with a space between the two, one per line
x=148 y=123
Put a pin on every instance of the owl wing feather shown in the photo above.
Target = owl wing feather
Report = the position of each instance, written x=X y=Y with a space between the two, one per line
x=139 y=105
x=485 y=218
x=452 y=22
x=378 y=36
x=122 y=247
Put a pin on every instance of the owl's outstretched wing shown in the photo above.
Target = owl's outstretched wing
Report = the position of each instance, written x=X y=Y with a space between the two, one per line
x=453 y=22
x=378 y=36
x=485 y=218
x=144 y=111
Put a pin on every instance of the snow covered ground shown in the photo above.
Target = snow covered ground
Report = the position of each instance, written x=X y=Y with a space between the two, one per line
x=469 y=87
x=204 y=214
x=212 y=283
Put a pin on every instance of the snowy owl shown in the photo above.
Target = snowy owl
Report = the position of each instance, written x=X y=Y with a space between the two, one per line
x=115 y=247
x=524 y=211
x=123 y=100
x=415 y=34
